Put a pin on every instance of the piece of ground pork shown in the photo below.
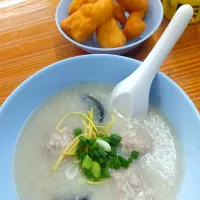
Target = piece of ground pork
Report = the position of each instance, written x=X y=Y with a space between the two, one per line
x=135 y=139
x=57 y=142
x=130 y=185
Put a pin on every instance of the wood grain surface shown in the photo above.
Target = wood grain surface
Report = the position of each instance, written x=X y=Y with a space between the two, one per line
x=29 y=41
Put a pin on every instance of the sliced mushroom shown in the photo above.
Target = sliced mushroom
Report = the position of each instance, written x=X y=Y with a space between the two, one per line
x=99 y=110
x=86 y=197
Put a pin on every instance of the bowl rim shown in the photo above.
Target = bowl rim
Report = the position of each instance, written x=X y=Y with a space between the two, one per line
x=43 y=70
x=83 y=46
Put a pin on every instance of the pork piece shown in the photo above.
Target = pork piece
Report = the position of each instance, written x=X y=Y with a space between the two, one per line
x=57 y=142
x=130 y=185
x=136 y=139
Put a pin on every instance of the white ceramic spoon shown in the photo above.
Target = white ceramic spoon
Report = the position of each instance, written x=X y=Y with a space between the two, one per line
x=131 y=96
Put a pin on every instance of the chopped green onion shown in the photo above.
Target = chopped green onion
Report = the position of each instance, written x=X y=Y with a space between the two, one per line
x=83 y=139
x=113 y=144
x=105 y=173
x=87 y=162
x=94 y=145
x=96 y=154
x=115 y=139
x=100 y=135
x=102 y=160
x=128 y=162
x=81 y=145
x=104 y=145
x=77 y=132
x=113 y=151
x=78 y=152
x=116 y=163
x=91 y=154
x=95 y=169
x=82 y=154
x=102 y=152
x=103 y=137
x=109 y=163
x=87 y=173
x=87 y=141
x=92 y=141
x=134 y=154
x=107 y=139
x=122 y=160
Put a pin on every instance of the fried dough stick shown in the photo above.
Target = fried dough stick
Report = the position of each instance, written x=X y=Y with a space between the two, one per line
x=109 y=35
x=81 y=24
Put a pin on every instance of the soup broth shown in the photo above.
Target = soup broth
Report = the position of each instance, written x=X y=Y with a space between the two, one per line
x=154 y=176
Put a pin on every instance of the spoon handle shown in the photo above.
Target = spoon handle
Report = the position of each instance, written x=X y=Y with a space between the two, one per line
x=154 y=60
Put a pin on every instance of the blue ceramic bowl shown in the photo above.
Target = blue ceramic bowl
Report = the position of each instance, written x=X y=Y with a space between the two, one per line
x=152 y=19
x=165 y=95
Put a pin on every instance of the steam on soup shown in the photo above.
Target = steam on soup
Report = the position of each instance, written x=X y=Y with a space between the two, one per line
x=77 y=147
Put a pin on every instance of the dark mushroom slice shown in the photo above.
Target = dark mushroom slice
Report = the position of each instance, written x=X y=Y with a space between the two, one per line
x=99 y=110
x=86 y=197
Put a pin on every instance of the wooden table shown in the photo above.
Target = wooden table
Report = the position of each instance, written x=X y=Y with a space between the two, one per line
x=29 y=41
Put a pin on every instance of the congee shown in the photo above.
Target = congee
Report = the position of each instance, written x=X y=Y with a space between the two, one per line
x=75 y=146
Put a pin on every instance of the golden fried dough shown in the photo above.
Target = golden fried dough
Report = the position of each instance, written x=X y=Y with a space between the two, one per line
x=102 y=11
x=79 y=26
x=119 y=13
x=82 y=23
x=109 y=35
x=76 y=4
x=133 y=5
x=134 y=26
